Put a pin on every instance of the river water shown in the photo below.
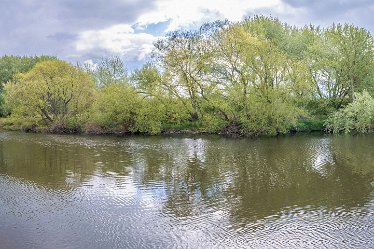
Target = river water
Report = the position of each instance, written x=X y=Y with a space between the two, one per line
x=310 y=191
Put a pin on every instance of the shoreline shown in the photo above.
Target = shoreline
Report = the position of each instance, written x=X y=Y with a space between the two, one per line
x=164 y=132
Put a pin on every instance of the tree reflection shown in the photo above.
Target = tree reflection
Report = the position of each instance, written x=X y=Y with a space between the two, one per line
x=46 y=163
x=248 y=179
x=283 y=174
x=59 y=161
x=255 y=179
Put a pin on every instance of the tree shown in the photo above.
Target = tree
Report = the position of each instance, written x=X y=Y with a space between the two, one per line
x=115 y=107
x=186 y=57
x=148 y=81
x=354 y=48
x=108 y=71
x=153 y=86
x=51 y=93
x=261 y=83
x=341 y=62
x=11 y=66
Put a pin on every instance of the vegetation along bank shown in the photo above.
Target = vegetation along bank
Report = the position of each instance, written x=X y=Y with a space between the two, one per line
x=255 y=77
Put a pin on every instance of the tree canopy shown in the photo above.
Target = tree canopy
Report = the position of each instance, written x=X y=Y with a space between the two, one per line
x=259 y=76
x=52 y=92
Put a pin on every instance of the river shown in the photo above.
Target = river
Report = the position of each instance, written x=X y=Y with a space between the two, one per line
x=306 y=191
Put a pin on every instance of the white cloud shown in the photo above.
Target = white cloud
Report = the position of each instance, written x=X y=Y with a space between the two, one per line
x=123 y=40
x=90 y=29
x=184 y=13
x=118 y=39
x=130 y=40
x=90 y=64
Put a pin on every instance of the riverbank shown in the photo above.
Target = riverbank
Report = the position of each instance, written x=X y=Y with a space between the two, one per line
x=182 y=129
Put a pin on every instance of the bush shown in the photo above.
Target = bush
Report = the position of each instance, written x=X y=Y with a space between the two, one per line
x=115 y=107
x=118 y=107
x=271 y=114
x=149 y=117
x=357 y=116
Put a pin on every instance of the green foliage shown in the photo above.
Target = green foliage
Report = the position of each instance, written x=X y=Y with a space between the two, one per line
x=341 y=62
x=119 y=107
x=358 y=116
x=270 y=115
x=353 y=50
x=175 y=111
x=10 y=66
x=108 y=71
x=115 y=107
x=155 y=87
x=3 y=111
x=255 y=77
x=51 y=93
x=149 y=116
x=148 y=80
x=264 y=76
x=213 y=123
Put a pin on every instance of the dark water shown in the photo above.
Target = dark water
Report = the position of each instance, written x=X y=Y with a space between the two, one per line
x=174 y=192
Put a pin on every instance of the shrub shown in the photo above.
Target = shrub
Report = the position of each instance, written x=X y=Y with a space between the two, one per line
x=357 y=116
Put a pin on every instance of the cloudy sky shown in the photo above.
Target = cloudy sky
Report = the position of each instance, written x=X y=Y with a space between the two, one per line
x=88 y=30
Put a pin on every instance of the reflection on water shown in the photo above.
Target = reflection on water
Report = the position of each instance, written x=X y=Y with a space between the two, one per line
x=140 y=192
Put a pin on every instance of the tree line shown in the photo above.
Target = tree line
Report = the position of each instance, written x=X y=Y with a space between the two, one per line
x=255 y=77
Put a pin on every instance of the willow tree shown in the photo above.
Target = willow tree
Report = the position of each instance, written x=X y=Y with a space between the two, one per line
x=186 y=57
x=259 y=80
x=10 y=66
x=355 y=57
x=148 y=81
x=51 y=93
x=341 y=62
x=110 y=70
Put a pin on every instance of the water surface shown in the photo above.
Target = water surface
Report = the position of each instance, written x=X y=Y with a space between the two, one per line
x=310 y=191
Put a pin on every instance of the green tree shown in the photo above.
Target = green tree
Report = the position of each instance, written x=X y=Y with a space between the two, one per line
x=116 y=106
x=153 y=86
x=10 y=66
x=108 y=71
x=186 y=58
x=148 y=81
x=354 y=48
x=341 y=62
x=261 y=82
x=51 y=93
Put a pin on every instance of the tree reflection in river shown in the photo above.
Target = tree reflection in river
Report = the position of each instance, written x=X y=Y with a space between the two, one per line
x=251 y=178
x=45 y=162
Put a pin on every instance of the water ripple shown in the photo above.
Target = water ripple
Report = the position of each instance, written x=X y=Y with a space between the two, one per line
x=203 y=192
